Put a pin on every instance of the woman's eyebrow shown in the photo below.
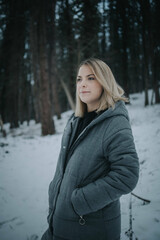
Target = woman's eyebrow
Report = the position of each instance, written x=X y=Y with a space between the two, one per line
x=90 y=74
x=87 y=75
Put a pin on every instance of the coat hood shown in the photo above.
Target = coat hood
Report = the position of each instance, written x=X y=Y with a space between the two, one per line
x=119 y=109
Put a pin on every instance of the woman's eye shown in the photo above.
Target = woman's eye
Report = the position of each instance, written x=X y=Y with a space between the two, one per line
x=91 y=78
x=78 y=79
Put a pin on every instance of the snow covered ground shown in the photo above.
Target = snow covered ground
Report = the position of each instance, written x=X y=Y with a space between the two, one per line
x=27 y=165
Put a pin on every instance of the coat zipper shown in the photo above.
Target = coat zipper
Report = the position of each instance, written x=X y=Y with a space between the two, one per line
x=82 y=221
x=75 y=143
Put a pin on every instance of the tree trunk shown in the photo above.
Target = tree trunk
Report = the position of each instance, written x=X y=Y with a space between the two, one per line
x=103 y=41
x=46 y=118
x=52 y=64
x=35 y=65
x=66 y=90
x=143 y=7
x=68 y=94
x=156 y=54
x=123 y=8
x=54 y=88
x=156 y=85
x=17 y=28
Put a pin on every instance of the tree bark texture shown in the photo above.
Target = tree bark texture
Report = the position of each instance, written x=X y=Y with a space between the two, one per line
x=46 y=117
x=35 y=64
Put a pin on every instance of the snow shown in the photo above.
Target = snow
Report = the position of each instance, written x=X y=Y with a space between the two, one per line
x=28 y=162
x=146 y=130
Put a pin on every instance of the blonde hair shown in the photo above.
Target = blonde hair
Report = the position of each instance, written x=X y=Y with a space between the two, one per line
x=112 y=92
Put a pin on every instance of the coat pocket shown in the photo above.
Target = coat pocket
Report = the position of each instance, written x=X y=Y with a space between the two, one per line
x=111 y=211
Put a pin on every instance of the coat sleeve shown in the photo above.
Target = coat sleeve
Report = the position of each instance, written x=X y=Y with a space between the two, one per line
x=119 y=150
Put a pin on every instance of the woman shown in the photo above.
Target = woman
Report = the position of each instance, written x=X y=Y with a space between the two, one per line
x=97 y=162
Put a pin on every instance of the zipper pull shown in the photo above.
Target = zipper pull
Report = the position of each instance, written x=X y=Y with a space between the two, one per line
x=82 y=221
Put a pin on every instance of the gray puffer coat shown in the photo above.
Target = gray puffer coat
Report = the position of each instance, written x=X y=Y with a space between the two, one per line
x=102 y=165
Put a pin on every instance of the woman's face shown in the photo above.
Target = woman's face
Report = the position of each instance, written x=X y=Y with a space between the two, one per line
x=88 y=88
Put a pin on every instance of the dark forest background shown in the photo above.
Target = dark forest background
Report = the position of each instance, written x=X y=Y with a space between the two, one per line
x=43 y=41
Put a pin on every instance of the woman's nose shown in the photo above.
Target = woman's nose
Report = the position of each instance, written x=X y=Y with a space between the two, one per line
x=83 y=83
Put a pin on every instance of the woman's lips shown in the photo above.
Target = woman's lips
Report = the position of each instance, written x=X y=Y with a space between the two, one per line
x=85 y=92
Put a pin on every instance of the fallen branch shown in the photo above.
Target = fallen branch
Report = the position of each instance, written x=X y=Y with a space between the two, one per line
x=7 y=221
x=145 y=201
